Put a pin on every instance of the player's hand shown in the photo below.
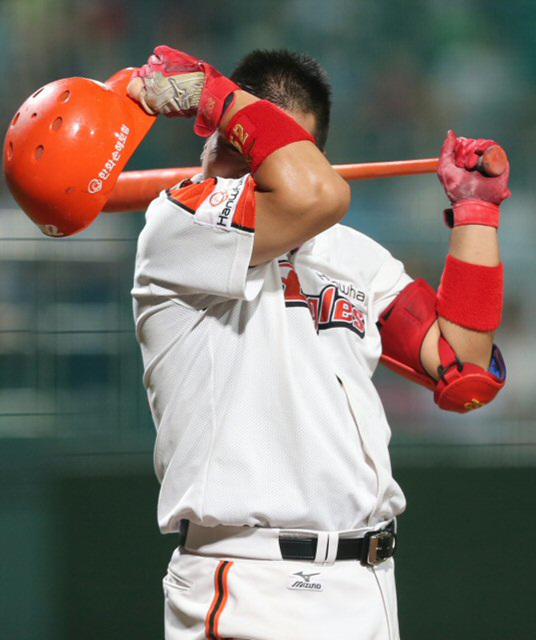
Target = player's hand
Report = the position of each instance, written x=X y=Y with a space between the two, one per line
x=176 y=84
x=170 y=83
x=458 y=171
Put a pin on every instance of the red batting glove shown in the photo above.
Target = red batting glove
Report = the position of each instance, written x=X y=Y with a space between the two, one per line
x=179 y=85
x=475 y=197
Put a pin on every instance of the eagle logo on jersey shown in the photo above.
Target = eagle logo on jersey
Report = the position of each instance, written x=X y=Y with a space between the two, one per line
x=328 y=309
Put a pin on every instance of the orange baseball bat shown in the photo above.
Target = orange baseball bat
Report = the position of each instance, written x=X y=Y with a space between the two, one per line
x=136 y=189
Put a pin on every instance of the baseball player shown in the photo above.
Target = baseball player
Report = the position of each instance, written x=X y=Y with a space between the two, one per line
x=261 y=320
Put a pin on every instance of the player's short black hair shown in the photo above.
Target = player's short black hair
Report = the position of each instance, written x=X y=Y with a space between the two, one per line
x=292 y=81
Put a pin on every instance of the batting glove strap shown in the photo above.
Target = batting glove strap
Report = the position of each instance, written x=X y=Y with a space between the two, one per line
x=472 y=212
x=217 y=96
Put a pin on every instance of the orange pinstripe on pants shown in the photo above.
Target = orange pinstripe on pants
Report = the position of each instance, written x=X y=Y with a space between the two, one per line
x=218 y=603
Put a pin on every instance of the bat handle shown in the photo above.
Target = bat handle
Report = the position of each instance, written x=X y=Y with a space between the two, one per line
x=493 y=162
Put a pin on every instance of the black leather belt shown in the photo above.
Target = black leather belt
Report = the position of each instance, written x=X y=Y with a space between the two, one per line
x=372 y=549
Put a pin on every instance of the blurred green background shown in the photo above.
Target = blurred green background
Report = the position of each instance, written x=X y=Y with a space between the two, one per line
x=80 y=553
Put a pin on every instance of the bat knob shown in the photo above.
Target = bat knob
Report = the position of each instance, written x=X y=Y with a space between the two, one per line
x=493 y=162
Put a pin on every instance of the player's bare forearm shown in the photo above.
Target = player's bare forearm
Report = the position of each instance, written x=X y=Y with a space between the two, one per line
x=479 y=245
x=474 y=244
x=301 y=197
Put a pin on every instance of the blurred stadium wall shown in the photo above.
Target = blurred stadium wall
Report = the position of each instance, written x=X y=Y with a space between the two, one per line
x=80 y=554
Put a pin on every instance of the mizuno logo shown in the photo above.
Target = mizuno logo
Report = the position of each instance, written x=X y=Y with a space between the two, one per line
x=306 y=576
x=301 y=581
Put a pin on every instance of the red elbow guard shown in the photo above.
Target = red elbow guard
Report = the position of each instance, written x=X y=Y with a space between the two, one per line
x=463 y=386
x=403 y=326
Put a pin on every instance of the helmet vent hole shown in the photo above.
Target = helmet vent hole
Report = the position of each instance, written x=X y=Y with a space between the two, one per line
x=14 y=121
x=57 y=123
x=39 y=151
x=65 y=96
x=38 y=92
x=34 y=115
x=10 y=151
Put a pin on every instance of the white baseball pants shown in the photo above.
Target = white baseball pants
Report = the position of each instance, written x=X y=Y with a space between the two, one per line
x=228 y=596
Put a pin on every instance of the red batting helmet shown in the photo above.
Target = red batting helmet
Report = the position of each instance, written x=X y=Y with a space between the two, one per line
x=66 y=147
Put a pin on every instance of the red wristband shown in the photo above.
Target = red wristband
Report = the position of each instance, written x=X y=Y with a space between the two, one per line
x=471 y=295
x=260 y=129
x=472 y=212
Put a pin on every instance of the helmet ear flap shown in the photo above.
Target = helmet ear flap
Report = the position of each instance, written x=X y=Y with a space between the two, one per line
x=67 y=145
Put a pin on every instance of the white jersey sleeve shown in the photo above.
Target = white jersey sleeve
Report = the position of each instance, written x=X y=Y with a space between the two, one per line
x=387 y=283
x=198 y=240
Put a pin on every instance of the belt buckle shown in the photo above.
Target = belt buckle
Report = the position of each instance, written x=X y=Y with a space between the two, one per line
x=378 y=546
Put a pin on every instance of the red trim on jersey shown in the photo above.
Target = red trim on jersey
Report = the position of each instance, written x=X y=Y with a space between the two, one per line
x=192 y=195
x=244 y=217
x=221 y=593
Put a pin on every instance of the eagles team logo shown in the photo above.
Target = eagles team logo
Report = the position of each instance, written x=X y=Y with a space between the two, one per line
x=328 y=309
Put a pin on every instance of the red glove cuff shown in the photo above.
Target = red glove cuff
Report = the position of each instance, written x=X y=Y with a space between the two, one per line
x=214 y=101
x=471 y=295
x=472 y=212
x=260 y=129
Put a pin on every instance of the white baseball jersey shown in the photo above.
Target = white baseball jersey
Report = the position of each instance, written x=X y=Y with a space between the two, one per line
x=259 y=379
